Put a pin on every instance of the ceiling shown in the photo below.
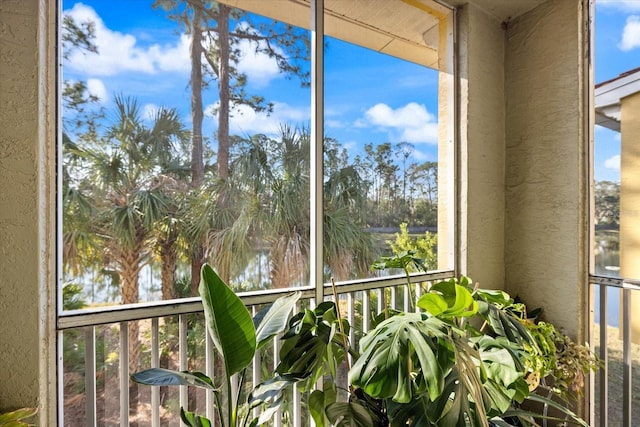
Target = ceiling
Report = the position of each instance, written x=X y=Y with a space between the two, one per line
x=503 y=10
x=407 y=29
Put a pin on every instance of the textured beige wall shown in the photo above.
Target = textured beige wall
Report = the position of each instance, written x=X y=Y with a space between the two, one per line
x=27 y=358
x=630 y=201
x=546 y=235
x=482 y=142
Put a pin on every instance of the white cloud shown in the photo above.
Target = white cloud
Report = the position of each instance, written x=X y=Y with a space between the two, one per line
x=122 y=53
x=410 y=123
x=97 y=88
x=246 y=121
x=621 y=5
x=118 y=52
x=630 y=34
x=172 y=58
x=613 y=163
x=259 y=67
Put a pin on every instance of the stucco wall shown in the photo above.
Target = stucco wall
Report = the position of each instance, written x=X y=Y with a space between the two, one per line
x=26 y=340
x=482 y=142
x=545 y=234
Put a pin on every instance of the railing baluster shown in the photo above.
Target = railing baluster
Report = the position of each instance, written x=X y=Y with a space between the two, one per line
x=155 y=363
x=604 y=356
x=394 y=297
x=366 y=311
x=210 y=371
x=626 y=357
x=418 y=287
x=297 y=401
x=182 y=357
x=351 y=320
x=277 y=417
x=124 y=374
x=90 y=374
x=405 y=297
x=256 y=367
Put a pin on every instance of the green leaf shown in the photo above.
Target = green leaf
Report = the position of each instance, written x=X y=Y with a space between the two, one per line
x=459 y=299
x=273 y=320
x=400 y=356
x=433 y=303
x=313 y=345
x=348 y=414
x=165 y=377
x=228 y=322
x=268 y=391
x=573 y=418
x=193 y=420
x=14 y=418
x=316 y=408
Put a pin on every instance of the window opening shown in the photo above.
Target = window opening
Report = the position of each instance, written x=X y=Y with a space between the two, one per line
x=186 y=139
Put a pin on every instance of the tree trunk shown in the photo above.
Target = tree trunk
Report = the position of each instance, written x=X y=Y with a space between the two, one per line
x=197 y=162
x=169 y=260
x=223 y=92
x=130 y=263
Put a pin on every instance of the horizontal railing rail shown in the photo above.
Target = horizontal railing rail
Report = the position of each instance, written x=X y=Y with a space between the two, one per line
x=127 y=312
x=94 y=324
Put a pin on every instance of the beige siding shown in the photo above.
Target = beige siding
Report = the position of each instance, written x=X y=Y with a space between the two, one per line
x=546 y=236
x=27 y=359
x=482 y=139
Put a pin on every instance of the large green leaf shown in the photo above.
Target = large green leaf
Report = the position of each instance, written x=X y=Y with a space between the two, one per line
x=14 y=418
x=449 y=299
x=228 y=322
x=193 y=420
x=464 y=401
x=348 y=414
x=319 y=400
x=313 y=345
x=165 y=377
x=273 y=320
x=401 y=356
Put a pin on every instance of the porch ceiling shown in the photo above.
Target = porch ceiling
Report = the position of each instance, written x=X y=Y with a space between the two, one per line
x=407 y=29
x=503 y=10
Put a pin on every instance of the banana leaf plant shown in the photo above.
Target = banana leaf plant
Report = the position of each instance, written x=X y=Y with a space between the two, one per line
x=462 y=360
x=237 y=337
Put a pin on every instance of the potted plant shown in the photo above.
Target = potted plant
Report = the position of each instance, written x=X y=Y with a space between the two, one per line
x=465 y=358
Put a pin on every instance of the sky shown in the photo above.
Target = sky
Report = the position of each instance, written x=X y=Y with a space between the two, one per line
x=369 y=97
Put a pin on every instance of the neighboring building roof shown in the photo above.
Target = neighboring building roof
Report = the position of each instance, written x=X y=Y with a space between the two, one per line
x=608 y=95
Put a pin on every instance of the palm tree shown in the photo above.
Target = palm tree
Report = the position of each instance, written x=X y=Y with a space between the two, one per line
x=348 y=246
x=116 y=196
x=273 y=178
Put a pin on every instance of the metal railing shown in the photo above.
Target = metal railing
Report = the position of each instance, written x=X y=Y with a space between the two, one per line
x=99 y=339
x=613 y=394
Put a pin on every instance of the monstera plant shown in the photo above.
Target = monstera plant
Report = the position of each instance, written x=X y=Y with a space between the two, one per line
x=236 y=337
x=464 y=358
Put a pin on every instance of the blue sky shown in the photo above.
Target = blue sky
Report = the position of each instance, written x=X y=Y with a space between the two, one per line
x=617 y=49
x=370 y=98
